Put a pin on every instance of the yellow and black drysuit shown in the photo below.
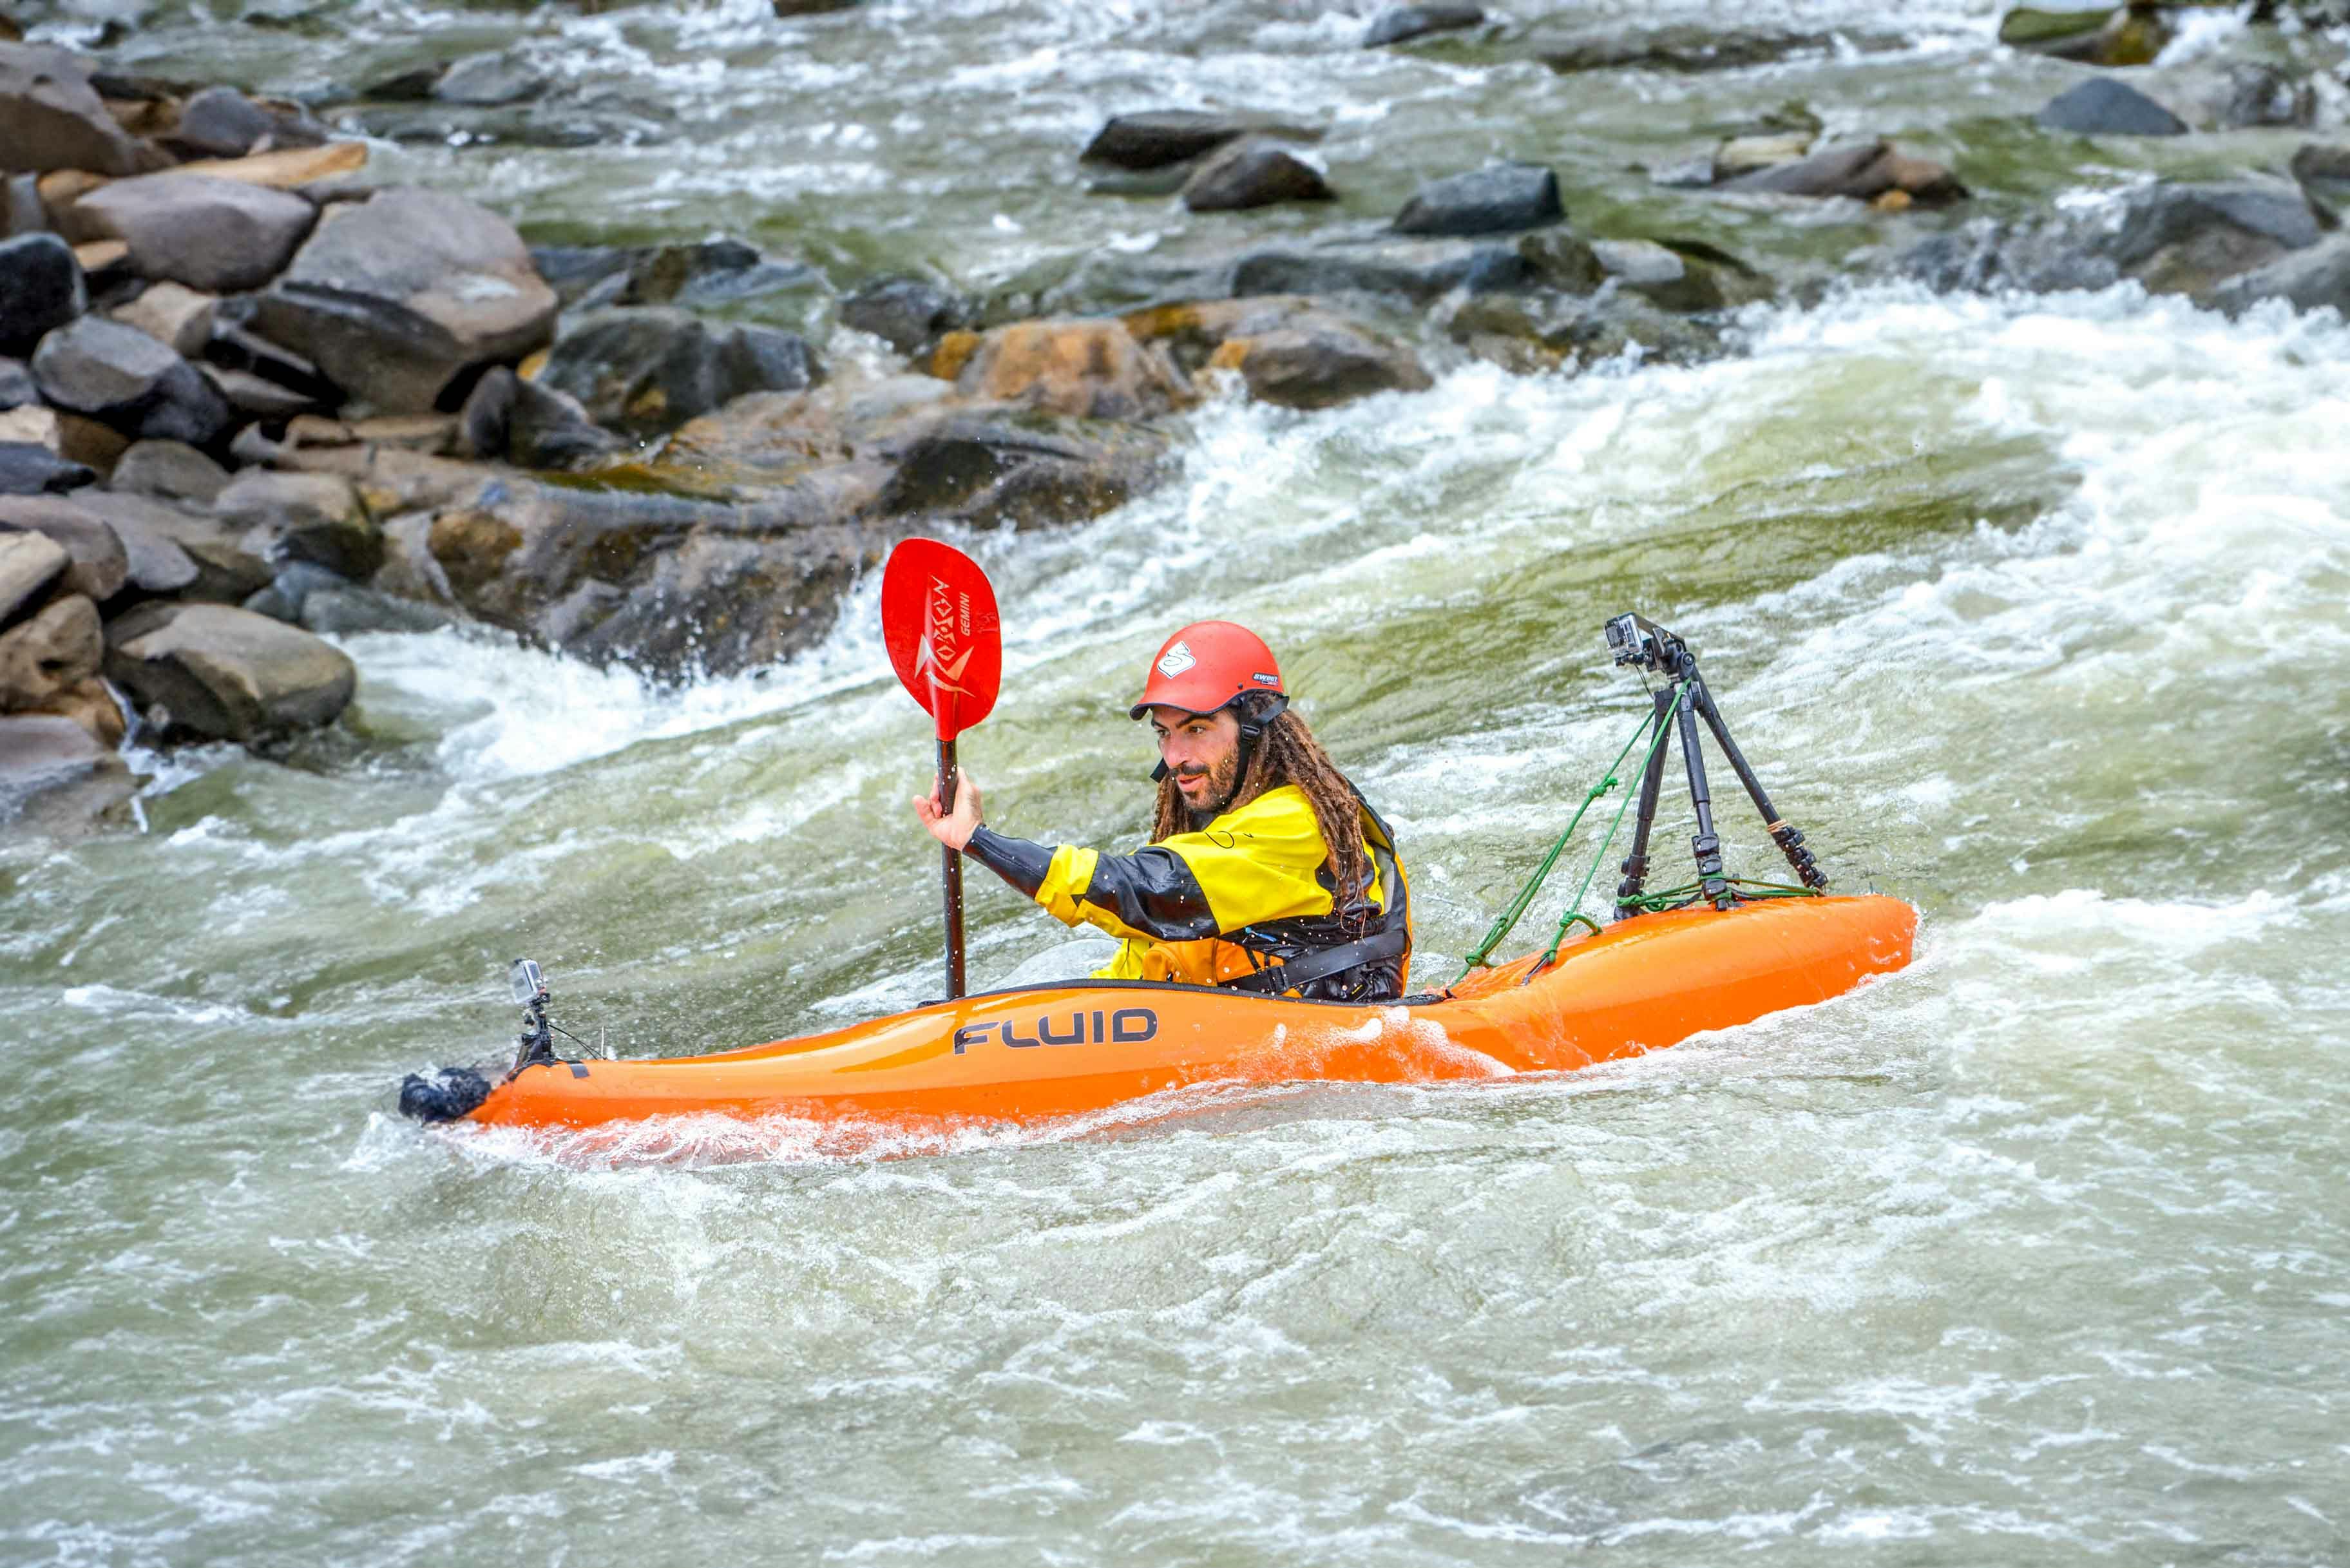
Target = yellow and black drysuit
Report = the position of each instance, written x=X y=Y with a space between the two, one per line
x=1245 y=901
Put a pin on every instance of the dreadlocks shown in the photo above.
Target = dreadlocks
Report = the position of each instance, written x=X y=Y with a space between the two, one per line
x=1287 y=753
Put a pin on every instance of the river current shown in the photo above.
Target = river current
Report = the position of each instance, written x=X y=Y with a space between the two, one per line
x=2031 y=611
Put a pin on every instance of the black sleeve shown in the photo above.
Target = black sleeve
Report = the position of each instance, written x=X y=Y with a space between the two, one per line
x=1154 y=891
x=1018 y=861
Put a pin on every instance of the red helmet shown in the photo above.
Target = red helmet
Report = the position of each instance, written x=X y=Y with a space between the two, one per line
x=1207 y=666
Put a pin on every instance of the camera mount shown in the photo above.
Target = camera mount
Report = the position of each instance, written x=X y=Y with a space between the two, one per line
x=1643 y=644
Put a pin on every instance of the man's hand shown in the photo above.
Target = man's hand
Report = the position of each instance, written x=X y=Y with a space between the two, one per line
x=951 y=828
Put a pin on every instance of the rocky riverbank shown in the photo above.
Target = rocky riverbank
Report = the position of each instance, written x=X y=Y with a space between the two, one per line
x=252 y=399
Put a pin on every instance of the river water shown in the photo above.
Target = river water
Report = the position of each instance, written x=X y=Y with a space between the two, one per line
x=2032 y=612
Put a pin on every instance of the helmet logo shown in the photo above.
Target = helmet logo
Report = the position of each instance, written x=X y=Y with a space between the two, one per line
x=1261 y=679
x=1176 y=660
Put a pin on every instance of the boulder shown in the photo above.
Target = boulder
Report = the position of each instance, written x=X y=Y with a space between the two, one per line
x=2104 y=107
x=290 y=590
x=100 y=566
x=41 y=289
x=1401 y=24
x=59 y=648
x=30 y=566
x=983 y=467
x=26 y=469
x=2105 y=35
x=223 y=237
x=41 y=754
x=904 y=312
x=530 y=425
x=651 y=369
x=2309 y=279
x=174 y=313
x=1659 y=273
x=17 y=388
x=1683 y=49
x=1253 y=171
x=1495 y=200
x=396 y=296
x=1091 y=369
x=56 y=120
x=221 y=122
x=1158 y=138
x=1287 y=349
x=312 y=517
x=710 y=273
x=487 y=81
x=121 y=375
x=225 y=673
x=170 y=470
x=1863 y=171
x=203 y=558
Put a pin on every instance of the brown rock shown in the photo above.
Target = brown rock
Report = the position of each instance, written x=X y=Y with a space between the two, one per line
x=89 y=704
x=46 y=755
x=1254 y=171
x=1288 y=349
x=159 y=536
x=1088 y=367
x=227 y=673
x=59 y=648
x=100 y=256
x=174 y=313
x=30 y=566
x=313 y=517
x=289 y=169
x=170 y=470
x=101 y=565
x=54 y=119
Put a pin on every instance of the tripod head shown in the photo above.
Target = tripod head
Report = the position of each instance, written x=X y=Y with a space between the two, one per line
x=1640 y=642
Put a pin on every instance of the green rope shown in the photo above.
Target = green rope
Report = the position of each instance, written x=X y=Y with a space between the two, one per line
x=1574 y=905
x=1675 y=897
x=1501 y=928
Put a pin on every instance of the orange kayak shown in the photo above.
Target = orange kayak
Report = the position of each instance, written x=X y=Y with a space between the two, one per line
x=1026 y=1055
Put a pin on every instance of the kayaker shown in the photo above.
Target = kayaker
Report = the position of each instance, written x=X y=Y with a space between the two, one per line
x=1266 y=870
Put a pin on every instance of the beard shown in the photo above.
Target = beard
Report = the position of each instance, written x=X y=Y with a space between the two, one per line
x=1223 y=779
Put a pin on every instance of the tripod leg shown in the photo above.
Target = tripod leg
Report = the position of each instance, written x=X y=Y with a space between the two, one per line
x=1652 y=784
x=1706 y=843
x=1789 y=839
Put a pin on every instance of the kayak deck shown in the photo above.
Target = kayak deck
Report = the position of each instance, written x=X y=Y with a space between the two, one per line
x=1031 y=1054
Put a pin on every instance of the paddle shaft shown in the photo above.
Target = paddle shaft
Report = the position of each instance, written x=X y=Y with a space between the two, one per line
x=952 y=865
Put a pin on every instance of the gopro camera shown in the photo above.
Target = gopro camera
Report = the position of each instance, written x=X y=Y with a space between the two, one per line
x=528 y=983
x=1635 y=640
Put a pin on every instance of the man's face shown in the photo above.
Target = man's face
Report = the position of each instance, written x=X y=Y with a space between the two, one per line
x=1203 y=750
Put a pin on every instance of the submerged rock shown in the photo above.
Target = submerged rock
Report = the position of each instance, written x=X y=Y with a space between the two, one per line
x=2103 y=36
x=225 y=673
x=2316 y=278
x=44 y=756
x=1253 y=172
x=905 y=312
x=1495 y=200
x=2104 y=107
x=1401 y=24
x=1157 y=138
x=1863 y=171
x=1681 y=48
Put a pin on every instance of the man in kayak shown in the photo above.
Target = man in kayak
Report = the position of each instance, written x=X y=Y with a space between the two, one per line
x=1265 y=871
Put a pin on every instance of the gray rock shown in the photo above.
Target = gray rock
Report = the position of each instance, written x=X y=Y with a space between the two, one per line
x=1157 y=138
x=204 y=558
x=233 y=348
x=286 y=594
x=1415 y=268
x=258 y=397
x=2260 y=95
x=30 y=566
x=2104 y=107
x=532 y=426
x=1320 y=363
x=2180 y=238
x=54 y=119
x=1253 y=171
x=41 y=289
x=2312 y=279
x=2323 y=171
x=59 y=647
x=42 y=754
x=27 y=468
x=651 y=369
x=346 y=611
x=121 y=375
x=1684 y=49
x=1659 y=273
x=222 y=122
x=490 y=81
x=222 y=237
x=312 y=517
x=905 y=312
x=396 y=296
x=21 y=212
x=100 y=566
x=226 y=673
x=1499 y=199
x=710 y=273
x=170 y=470
x=17 y=388
x=1830 y=172
x=173 y=314
x=1401 y=24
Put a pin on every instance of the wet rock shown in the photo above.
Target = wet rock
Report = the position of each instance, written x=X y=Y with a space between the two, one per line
x=652 y=369
x=2105 y=35
x=1090 y=369
x=41 y=289
x=396 y=298
x=1494 y=200
x=984 y=468
x=121 y=375
x=1253 y=171
x=491 y=80
x=290 y=590
x=30 y=566
x=904 y=312
x=44 y=756
x=2173 y=238
x=712 y=273
x=2104 y=107
x=2311 y=279
x=311 y=517
x=221 y=122
x=54 y=119
x=2262 y=95
x=220 y=235
x=345 y=610
x=164 y=539
x=1749 y=154
x=17 y=388
x=2323 y=171
x=1158 y=138
x=226 y=673
x=172 y=314
x=1556 y=260
x=1289 y=350
x=1660 y=275
x=98 y=566
x=1401 y=24
x=1681 y=48
x=1863 y=171
x=1411 y=266
x=26 y=469
x=169 y=470
x=59 y=648
x=532 y=426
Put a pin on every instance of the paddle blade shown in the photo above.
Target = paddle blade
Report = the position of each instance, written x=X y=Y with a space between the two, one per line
x=938 y=620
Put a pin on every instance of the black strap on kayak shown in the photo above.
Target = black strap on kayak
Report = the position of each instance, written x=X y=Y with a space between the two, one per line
x=1274 y=979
